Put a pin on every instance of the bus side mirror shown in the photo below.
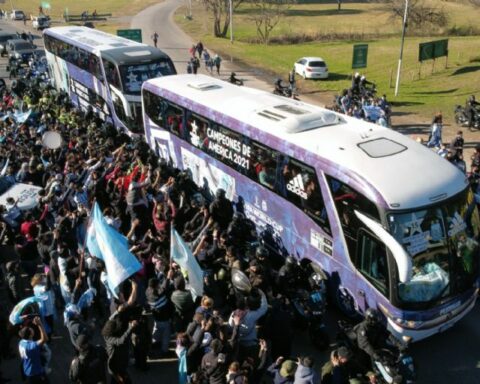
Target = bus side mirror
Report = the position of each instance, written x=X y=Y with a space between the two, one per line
x=402 y=258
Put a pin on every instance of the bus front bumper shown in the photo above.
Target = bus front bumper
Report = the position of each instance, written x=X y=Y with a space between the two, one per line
x=418 y=330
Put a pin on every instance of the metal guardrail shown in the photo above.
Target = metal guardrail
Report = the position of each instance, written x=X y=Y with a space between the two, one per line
x=97 y=17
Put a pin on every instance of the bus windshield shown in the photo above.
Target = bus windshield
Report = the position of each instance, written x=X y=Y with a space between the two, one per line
x=133 y=75
x=442 y=241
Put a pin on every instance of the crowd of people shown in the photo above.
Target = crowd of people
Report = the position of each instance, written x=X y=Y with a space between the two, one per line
x=361 y=102
x=232 y=333
x=197 y=53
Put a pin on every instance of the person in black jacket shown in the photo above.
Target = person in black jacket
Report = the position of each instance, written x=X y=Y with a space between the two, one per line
x=214 y=364
x=89 y=367
x=117 y=346
x=221 y=209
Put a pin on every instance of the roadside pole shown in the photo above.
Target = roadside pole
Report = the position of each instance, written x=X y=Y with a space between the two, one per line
x=231 y=21
x=405 y=15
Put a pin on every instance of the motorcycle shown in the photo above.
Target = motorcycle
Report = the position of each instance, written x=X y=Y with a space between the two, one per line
x=394 y=366
x=284 y=91
x=309 y=310
x=461 y=117
x=234 y=80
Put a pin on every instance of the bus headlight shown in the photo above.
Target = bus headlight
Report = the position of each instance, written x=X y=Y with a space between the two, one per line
x=408 y=323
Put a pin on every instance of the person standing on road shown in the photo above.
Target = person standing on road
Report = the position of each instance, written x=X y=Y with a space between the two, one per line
x=291 y=81
x=199 y=48
x=24 y=19
x=217 y=60
x=155 y=39
x=456 y=145
x=435 y=139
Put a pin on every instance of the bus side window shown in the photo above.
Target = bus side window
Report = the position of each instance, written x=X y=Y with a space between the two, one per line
x=111 y=73
x=196 y=132
x=372 y=261
x=347 y=201
x=264 y=165
x=173 y=118
x=299 y=184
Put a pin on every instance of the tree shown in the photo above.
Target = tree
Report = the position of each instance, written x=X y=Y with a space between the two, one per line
x=267 y=16
x=419 y=14
x=221 y=12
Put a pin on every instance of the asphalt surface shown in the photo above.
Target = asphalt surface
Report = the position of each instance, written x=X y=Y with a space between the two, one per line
x=451 y=357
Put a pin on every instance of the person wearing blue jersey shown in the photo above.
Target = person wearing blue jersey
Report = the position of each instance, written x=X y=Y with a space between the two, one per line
x=31 y=353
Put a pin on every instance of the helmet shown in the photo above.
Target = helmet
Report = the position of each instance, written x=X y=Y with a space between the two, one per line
x=357 y=74
x=233 y=74
x=471 y=98
x=261 y=252
x=362 y=78
x=290 y=260
x=238 y=216
x=220 y=193
x=373 y=316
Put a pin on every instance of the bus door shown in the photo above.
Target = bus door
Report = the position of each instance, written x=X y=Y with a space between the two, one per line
x=367 y=254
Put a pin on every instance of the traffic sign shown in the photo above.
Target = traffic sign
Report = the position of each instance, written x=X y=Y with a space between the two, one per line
x=360 y=54
x=131 y=34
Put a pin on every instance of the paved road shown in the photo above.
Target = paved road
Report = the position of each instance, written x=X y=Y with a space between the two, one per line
x=176 y=43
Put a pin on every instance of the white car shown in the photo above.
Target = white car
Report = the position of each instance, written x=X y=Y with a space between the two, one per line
x=311 y=68
x=40 y=22
x=17 y=15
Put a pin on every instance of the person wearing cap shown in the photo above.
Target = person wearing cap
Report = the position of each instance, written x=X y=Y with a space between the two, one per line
x=90 y=366
x=456 y=145
x=282 y=371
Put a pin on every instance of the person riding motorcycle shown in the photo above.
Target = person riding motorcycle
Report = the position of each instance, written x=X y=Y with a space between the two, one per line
x=279 y=87
x=471 y=109
x=233 y=79
x=372 y=336
x=289 y=276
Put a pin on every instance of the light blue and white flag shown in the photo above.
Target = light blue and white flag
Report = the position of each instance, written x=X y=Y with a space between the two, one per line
x=3 y=172
x=104 y=242
x=17 y=311
x=21 y=117
x=182 y=255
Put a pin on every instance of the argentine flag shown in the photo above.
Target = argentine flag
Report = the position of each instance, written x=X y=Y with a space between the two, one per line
x=104 y=242
x=181 y=254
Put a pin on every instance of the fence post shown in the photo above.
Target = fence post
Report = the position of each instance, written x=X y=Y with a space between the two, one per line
x=391 y=78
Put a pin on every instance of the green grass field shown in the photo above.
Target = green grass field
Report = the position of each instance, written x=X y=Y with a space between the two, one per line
x=57 y=7
x=421 y=91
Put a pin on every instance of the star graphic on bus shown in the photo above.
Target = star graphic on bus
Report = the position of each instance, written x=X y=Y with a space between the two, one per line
x=132 y=78
x=414 y=225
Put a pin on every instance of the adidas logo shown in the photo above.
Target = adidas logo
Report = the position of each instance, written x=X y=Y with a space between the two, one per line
x=296 y=186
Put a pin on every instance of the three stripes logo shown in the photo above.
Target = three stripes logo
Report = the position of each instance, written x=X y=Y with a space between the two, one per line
x=297 y=187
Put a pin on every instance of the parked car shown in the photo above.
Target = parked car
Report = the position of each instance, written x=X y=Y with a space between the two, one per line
x=311 y=68
x=4 y=37
x=20 y=49
x=17 y=15
x=40 y=22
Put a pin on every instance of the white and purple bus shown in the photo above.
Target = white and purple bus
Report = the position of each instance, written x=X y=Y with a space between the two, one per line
x=104 y=72
x=391 y=224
